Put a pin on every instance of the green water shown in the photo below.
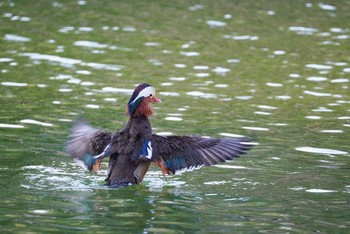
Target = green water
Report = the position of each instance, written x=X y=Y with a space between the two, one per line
x=277 y=71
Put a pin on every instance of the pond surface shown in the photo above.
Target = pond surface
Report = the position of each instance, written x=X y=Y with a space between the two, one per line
x=276 y=72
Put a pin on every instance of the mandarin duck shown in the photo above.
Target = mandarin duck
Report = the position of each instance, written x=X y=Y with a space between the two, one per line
x=132 y=149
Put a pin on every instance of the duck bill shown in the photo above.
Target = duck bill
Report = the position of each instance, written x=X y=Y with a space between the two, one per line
x=155 y=99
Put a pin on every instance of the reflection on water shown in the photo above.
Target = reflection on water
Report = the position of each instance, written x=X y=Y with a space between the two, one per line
x=275 y=72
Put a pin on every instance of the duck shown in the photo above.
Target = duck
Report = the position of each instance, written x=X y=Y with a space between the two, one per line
x=135 y=147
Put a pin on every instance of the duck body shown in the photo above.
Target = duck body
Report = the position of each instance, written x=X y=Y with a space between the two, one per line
x=132 y=149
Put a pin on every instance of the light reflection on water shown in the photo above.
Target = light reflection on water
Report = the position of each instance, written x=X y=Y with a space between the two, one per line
x=219 y=76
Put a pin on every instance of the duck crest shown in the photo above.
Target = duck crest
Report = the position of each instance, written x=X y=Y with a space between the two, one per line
x=141 y=92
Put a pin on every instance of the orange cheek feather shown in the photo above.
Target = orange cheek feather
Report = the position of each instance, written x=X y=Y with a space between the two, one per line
x=144 y=108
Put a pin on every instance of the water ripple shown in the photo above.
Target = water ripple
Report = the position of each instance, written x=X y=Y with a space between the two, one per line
x=16 y=38
x=69 y=61
x=10 y=126
x=317 y=94
x=215 y=23
x=36 y=122
x=320 y=150
x=201 y=94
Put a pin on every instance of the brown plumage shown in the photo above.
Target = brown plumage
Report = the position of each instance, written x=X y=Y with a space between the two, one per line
x=132 y=149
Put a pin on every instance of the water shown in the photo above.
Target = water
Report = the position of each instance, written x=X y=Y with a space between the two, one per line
x=276 y=72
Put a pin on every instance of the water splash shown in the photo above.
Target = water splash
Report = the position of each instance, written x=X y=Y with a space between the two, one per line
x=62 y=178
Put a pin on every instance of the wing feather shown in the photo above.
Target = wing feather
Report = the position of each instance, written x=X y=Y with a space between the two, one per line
x=85 y=139
x=180 y=153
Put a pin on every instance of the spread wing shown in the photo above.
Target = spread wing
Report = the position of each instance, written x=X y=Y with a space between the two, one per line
x=84 y=142
x=175 y=154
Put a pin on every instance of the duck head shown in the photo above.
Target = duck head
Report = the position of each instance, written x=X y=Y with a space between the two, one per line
x=141 y=98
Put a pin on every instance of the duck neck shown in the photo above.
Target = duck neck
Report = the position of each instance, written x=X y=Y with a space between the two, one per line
x=140 y=122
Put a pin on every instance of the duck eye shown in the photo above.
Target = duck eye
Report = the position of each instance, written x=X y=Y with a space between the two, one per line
x=150 y=95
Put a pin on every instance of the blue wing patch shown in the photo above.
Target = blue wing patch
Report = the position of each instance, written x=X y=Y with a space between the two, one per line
x=146 y=150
